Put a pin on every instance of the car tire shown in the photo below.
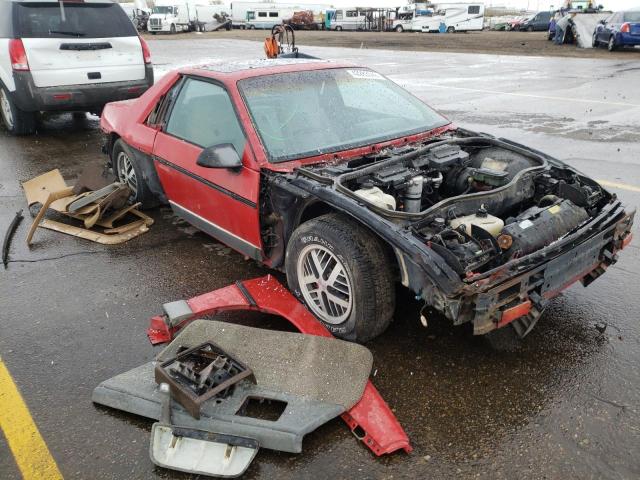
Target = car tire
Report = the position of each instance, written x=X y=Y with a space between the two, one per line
x=127 y=170
x=252 y=27
x=338 y=29
x=357 y=260
x=451 y=29
x=399 y=29
x=594 y=41
x=611 y=45
x=172 y=28
x=529 y=28
x=16 y=121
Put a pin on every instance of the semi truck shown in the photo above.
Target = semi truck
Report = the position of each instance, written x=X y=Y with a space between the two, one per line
x=172 y=16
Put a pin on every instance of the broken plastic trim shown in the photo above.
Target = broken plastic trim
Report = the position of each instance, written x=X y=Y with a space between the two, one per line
x=370 y=419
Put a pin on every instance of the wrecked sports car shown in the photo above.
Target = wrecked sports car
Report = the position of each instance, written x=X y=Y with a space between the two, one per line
x=349 y=184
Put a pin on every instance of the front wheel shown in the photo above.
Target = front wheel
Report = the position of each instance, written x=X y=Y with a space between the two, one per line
x=451 y=29
x=127 y=170
x=611 y=46
x=529 y=29
x=341 y=272
x=15 y=120
x=399 y=29
x=338 y=29
x=172 y=29
x=594 y=41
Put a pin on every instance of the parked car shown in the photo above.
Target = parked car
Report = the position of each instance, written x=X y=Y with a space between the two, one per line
x=538 y=23
x=67 y=56
x=348 y=183
x=622 y=29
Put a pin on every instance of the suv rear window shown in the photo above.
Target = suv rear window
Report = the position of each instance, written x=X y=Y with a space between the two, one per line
x=68 y=20
x=632 y=17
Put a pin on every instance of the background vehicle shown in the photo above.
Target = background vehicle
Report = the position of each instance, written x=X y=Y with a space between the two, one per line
x=172 y=16
x=267 y=14
x=538 y=23
x=348 y=18
x=138 y=12
x=456 y=17
x=622 y=29
x=57 y=56
x=348 y=183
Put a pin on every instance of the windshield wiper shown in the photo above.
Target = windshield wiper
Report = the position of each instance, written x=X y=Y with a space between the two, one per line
x=66 y=32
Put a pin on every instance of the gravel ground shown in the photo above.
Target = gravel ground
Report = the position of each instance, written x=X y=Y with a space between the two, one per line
x=501 y=43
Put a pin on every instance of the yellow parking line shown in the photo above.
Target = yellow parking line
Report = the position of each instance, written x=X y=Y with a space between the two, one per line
x=622 y=186
x=29 y=450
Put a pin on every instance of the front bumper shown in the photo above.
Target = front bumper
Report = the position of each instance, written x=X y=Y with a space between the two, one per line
x=30 y=98
x=496 y=304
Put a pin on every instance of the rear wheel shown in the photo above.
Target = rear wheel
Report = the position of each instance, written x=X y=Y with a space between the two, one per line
x=15 y=120
x=341 y=272
x=399 y=29
x=529 y=28
x=128 y=171
x=451 y=29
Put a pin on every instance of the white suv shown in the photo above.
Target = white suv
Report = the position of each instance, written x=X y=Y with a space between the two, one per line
x=74 y=55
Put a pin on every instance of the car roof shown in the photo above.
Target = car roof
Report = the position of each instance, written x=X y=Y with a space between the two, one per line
x=260 y=67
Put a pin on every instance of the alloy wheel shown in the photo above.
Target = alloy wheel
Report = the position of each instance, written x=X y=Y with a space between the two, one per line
x=325 y=284
x=126 y=173
x=5 y=107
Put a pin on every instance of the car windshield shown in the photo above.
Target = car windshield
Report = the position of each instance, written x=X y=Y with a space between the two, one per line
x=632 y=17
x=162 y=10
x=61 y=20
x=301 y=114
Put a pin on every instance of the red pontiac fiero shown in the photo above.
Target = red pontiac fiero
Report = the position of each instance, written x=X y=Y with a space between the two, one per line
x=347 y=182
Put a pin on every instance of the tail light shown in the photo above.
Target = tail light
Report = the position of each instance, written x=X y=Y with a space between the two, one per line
x=18 y=55
x=146 y=53
x=625 y=28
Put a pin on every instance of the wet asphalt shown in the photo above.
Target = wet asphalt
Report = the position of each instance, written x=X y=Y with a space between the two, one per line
x=564 y=405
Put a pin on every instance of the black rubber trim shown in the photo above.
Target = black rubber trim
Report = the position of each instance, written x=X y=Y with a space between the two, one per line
x=245 y=293
x=229 y=193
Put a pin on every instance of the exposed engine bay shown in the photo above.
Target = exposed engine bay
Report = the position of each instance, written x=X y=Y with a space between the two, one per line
x=478 y=202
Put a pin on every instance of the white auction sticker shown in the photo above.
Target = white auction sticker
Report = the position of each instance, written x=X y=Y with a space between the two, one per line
x=525 y=224
x=368 y=74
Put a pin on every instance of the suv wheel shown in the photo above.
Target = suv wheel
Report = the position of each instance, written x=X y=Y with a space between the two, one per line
x=341 y=272
x=15 y=120
x=127 y=170
x=611 y=46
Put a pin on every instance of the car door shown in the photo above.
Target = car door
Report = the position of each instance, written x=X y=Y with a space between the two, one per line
x=219 y=201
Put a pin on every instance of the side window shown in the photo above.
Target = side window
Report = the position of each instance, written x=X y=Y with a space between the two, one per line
x=251 y=15
x=203 y=115
x=273 y=14
x=473 y=10
x=339 y=15
x=5 y=19
x=352 y=13
x=159 y=111
x=262 y=14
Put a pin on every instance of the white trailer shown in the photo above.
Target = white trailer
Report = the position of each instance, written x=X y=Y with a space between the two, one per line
x=173 y=16
x=346 y=18
x=265 y=15
x=450 y=17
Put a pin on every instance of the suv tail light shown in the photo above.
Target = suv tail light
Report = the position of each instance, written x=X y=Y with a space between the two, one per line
x=146 y=53
x=625 y=28
x=18 y=55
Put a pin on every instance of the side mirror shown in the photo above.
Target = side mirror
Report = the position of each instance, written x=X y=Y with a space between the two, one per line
x=603 y=22
x=220 y=156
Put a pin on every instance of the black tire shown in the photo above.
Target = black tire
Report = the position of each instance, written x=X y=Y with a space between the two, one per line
x=594 y=41
x=367 y=269
x=338 y=28
x=529 y=28
x=399 y=29
x=451 y=29
x=16 y=121
x=172 y=28
x=140 y=191
x=252 y=27
x=611 y=45
x=504 y=339
x=153 y=33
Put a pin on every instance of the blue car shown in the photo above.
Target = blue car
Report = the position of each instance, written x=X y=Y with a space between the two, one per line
x=622 y=29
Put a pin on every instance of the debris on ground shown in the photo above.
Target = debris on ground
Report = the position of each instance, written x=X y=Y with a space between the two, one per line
x=241 y=388
x=100 y=205
x=8 y=236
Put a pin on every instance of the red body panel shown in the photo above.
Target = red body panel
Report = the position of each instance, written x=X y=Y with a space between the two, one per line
x=382 y=432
